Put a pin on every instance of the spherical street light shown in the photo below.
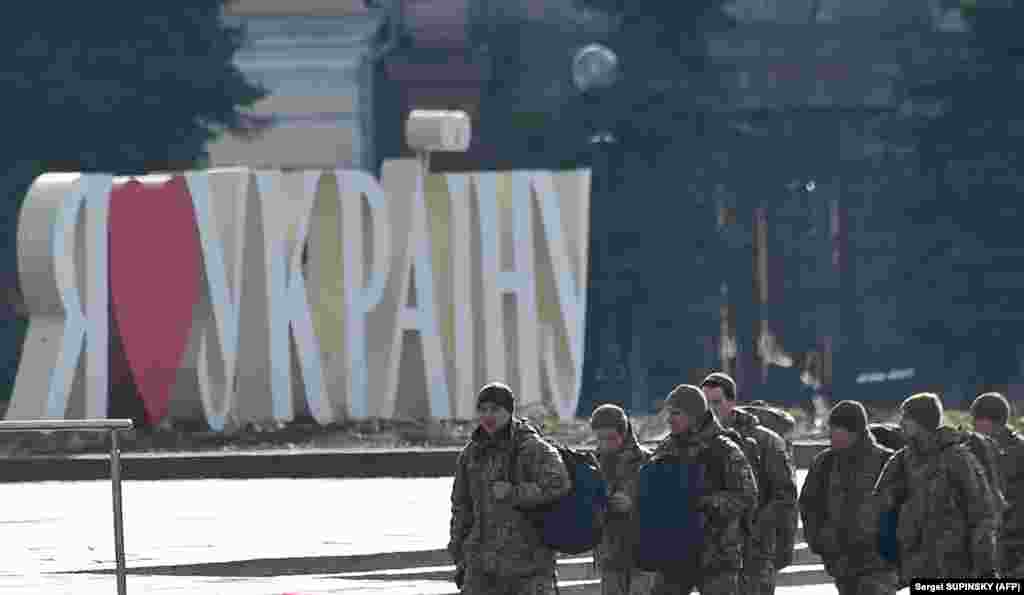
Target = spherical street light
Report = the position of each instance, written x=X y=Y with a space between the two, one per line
x=594 y=67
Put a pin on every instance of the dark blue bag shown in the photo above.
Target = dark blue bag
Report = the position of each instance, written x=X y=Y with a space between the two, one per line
x=888 y=544
x=570 y=525
x=669 y=529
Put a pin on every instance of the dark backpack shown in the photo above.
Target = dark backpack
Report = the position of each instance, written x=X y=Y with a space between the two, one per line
x=749 y=448
x=570 y=524
x=669 y=530
x=987 y=453
x=773 y=418
x=785 y=529
x=888 y=435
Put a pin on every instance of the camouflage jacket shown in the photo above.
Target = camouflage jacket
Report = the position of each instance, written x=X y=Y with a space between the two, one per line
x=1011 y=467
x=840 y=510
x=776 y=482
x=494 y=536
x=620 y=472
x=731 y=490
x=947 y=522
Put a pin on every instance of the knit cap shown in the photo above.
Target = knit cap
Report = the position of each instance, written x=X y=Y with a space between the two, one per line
x=723 y=381
x=850 y=416
x=499 y=394
x=925 y=409
x=992 y=406
x=689 y=399
x=609 y=416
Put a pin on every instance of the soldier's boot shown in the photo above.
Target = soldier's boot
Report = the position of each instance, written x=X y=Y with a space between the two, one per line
x=876 y=583
x=538 y=584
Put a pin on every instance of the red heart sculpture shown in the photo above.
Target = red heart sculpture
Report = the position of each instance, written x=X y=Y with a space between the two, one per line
x=155 y=272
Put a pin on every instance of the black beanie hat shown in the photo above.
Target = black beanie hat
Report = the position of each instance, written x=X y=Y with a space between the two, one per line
x=992 y=406
x=609 y=416
x=849 y=415
x=722 y=381
x=925 y=409
x=689 y=399
x=499 y=394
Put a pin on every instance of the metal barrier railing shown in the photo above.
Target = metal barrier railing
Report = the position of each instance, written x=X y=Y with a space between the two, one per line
x=91 y=425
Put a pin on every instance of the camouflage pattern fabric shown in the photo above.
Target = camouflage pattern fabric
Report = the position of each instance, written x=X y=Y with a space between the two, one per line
x=947 y=525
x=758 y=575
x=841 y=512
x=626 y=582
x=1011 y=467
x=775 y=419
x=493 y=538
x=986 y=451
x=731 y=495
x=479 y=583
x=771 y=545
x=615 y=552
x=722 y=583
x=876 y=583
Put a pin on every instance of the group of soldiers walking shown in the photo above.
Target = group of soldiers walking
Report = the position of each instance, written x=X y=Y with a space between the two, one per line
x=947 y=508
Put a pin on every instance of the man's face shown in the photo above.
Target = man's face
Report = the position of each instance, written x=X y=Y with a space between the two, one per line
x=719 y=403
x=984 y=425
x=609 y=439
x=678 y=421
x=842 y=438
x=493 y=417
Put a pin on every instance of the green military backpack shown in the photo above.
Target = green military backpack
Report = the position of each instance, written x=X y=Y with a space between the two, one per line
x=783 y=424
x=987 y=452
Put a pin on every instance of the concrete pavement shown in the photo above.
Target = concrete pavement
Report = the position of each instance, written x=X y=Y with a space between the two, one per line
x=270 y=536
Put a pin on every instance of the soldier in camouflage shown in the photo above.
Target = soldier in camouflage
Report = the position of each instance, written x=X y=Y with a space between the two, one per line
x=497 y=551
x=776 y=484
x=698 y=438
x=991 y=412
x=621 y=456
x=948 y=523
x=840 y=510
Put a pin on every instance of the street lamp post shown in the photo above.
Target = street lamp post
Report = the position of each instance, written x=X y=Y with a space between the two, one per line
x=606 y=378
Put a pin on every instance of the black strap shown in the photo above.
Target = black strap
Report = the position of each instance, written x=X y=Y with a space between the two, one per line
x=513 y=459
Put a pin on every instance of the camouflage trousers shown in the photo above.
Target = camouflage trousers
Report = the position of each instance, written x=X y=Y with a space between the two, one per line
x=1011 y=555
x=626 y=582
x=758 y=576
x=484 y=583
x=721 y=583
x=875 y=583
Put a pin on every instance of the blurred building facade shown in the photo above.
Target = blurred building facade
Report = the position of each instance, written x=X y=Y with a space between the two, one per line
x=790 y=293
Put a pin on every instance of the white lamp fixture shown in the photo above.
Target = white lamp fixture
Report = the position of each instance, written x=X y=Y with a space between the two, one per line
x=428 y=131
x=594 y=67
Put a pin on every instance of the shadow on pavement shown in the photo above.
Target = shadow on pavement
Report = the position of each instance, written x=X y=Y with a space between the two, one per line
x=401 y=566
x=269 y=567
